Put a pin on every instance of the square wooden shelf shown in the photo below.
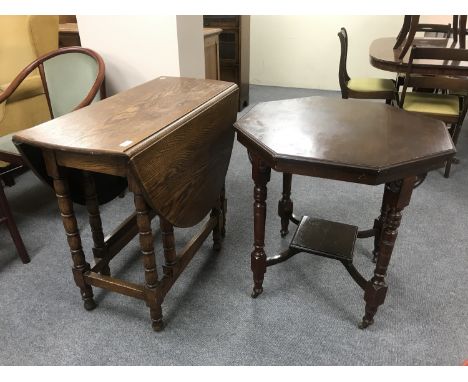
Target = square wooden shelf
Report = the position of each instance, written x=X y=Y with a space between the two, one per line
x=325 y=238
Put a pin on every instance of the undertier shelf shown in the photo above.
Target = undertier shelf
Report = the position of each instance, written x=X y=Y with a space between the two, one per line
x=325 y=238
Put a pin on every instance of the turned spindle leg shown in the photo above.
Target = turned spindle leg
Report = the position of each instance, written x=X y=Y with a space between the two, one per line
x=167 y=232
x=153 y=300
x=378 y=227
x=397 y=196
x=80 y=266
x=285 y=205
x=223 y=201
x=261 y=176
x=92 y=205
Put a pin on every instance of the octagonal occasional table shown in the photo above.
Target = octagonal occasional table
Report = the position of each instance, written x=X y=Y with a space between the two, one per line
x=348 y=140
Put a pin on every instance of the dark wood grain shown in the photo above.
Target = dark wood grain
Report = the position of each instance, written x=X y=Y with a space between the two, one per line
x=181 y=141
x=354 y=141
x=311 y=136
x=397 y=196
x=80 y=266
x=103 y=127
x=261 y=176
x=185 y=191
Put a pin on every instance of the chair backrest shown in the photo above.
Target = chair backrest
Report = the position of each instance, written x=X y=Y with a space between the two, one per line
x=69 y=78
x=72 y=77
x=342 y=71
x=435 y=30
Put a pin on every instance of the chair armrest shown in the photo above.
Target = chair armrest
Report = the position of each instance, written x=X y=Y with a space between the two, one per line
x=31 y=86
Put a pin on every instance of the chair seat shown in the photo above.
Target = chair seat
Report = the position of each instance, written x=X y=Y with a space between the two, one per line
x=428 y=103
x=371 y=85
x=7 y=146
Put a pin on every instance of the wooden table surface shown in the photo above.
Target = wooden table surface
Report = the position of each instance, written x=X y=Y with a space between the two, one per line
x=119 y=123
x=384 y=57
x=365 y=142
x=170 y=140
x=351 y=140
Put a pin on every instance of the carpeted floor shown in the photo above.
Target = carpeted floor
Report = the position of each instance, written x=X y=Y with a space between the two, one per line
x=310 y=309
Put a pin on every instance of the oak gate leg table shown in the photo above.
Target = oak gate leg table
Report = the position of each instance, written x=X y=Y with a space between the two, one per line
x=348 y=140
x=170 y=140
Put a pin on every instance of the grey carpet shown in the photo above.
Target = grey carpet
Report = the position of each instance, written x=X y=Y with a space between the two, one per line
x=310 y=309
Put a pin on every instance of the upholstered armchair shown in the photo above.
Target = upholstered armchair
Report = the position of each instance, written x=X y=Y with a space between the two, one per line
x=22 y=40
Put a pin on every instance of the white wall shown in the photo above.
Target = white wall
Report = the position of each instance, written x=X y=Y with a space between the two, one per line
x=191 y=46
x=137 y=49
x=304 y=51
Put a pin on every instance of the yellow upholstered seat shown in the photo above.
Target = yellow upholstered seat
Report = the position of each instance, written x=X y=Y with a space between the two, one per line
x=428 y=103
x=371 y=85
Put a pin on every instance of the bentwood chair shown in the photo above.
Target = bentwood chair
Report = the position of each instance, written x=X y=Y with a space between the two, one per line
x=411 y=26
x=449 y=108
x=363 y=88
x=72 y=78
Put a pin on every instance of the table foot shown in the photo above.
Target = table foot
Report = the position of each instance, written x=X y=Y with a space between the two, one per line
x=365 y=323
x=256 y=292
x=158 y=326
x=89 y=303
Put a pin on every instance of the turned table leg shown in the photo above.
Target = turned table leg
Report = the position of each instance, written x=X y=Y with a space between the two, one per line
x=153 y=300
x=261 y=176
x=285 y=205
x=167 y=232
x=99 y=247
x=378 y=227
x=396 y=196
x=80 y=266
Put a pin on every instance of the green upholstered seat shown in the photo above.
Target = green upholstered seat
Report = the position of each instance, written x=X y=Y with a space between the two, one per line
x=371 y=85
x=428 y=103
x=7 y=146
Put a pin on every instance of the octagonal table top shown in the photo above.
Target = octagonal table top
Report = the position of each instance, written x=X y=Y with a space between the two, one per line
x=353 y=140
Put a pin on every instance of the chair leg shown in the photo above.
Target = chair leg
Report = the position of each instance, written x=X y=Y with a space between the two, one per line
x=448 y=166
x=15 y=235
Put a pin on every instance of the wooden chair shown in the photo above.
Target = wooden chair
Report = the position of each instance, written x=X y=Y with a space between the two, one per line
x=449 y=108
x=7 y=218
x=72 y=78
x=411 y=26
x=363 y=88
